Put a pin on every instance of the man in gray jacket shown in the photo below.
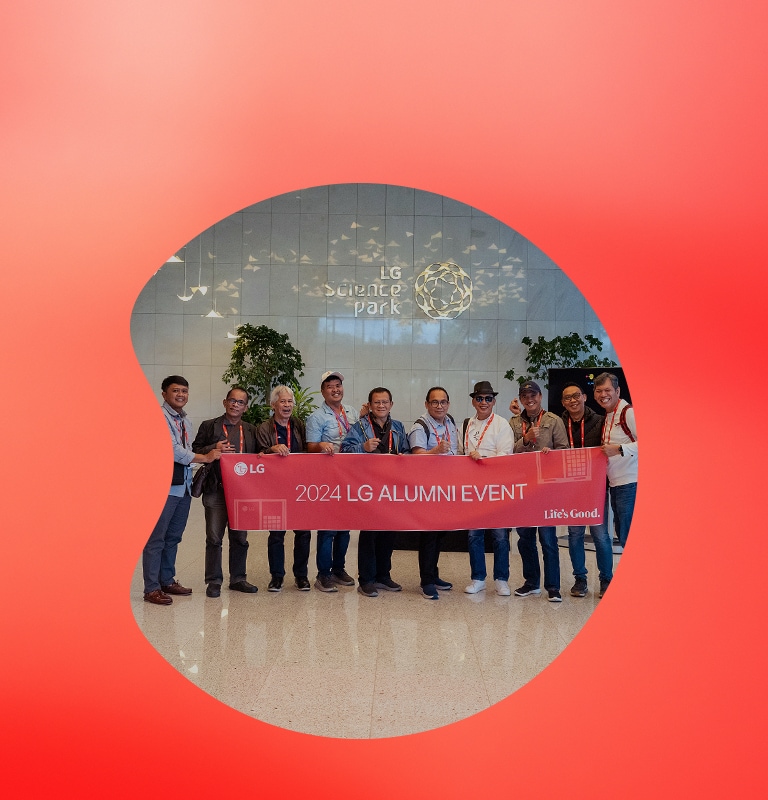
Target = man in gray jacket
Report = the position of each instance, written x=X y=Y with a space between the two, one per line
x=537 y=430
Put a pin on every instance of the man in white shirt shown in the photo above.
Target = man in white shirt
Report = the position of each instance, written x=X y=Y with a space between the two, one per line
x=487 y=435
x=619 y=443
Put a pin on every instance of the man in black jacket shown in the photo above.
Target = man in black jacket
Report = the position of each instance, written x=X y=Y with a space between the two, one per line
x=284 y=434
x=584 y=428
x=228 y=434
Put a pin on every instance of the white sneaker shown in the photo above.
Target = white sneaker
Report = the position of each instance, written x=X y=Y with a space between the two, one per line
x=475 y=587
x=502 y=588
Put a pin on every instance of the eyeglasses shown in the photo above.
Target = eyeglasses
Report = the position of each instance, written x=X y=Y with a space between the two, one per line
x=568 y=397
x=234 y=402
x=438 y=403
x=484 y=398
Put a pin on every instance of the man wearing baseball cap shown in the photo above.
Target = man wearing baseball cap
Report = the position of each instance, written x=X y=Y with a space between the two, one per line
x=537 y=430
x=484 y=436
x=326 y=427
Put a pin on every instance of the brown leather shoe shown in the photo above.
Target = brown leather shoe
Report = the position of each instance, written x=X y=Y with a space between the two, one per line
x=158 y=597
x=176 y=588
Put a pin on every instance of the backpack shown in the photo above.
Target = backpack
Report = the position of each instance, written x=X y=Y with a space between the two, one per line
x=423 y=424
x=623 y=423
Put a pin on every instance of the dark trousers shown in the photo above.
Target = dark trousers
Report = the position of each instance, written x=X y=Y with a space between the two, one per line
x=276 y=552
x=374 y=556
x=215 y=524
x=429 y=553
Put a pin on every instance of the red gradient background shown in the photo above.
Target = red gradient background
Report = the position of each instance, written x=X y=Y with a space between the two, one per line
x=626 y=140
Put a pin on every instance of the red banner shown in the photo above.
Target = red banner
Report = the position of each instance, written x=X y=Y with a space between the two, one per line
x=351 y=491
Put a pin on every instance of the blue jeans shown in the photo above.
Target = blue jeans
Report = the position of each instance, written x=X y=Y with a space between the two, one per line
x=159 y=555
x=276 y=553
x=500 y=553
x=331 y=551
x=623 y=505
x=603 y=550
x=529 y=553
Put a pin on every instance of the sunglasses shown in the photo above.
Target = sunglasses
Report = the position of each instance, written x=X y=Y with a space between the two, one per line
x=485 y=398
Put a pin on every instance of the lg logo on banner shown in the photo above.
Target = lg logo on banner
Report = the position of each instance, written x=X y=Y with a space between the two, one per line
x=241 y=468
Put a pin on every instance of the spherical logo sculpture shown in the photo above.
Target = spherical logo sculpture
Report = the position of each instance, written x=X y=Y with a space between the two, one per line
x=443 y=291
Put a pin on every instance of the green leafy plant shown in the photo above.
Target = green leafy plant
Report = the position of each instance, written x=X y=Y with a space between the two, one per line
x=562 y=351
x=305 y=403
x=261 y=359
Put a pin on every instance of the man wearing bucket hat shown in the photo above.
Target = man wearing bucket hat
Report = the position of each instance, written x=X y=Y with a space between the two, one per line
x=326 y=427
x=537 y=430
x=484 y=436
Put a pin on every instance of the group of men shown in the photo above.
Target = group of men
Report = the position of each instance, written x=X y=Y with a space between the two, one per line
x=336 y=427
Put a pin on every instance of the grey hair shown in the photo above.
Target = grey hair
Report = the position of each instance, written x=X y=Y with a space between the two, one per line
x=606 y=376
x=274 y=395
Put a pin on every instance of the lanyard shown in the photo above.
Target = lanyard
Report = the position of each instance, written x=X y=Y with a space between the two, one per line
x=373 y=432
x=605 y=425
x=570 y=432
x=342 y=422
x=538 y=420
x=288 y=434
x=466 y=436
x=226 y=436
x=447 y=432
x=182 y=430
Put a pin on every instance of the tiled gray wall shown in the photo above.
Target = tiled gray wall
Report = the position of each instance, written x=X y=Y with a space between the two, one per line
x=267 y=265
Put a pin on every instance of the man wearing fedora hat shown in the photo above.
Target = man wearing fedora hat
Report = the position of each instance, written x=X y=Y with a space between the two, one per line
x=487 y=435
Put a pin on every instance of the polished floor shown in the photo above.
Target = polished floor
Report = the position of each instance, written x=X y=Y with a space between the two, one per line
x=345 y=665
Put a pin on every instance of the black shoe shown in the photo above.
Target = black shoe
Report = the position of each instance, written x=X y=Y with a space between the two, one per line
x=430 y=592
x=243 y=586
x=527 y=589
x=443 y=586
x=553 y=595
x=213 y=590
x=276 y=584
x=342 y=578
x=368 y=589
x=325 y=583
x=302 y=583
x=604 y=584
x=579 y=588
x=388 y=585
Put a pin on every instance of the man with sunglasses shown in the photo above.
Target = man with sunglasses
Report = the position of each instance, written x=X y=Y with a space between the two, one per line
x=434 y=433
x=584 y=428
x=228 y=433
x=487 y=435
x=376 y=432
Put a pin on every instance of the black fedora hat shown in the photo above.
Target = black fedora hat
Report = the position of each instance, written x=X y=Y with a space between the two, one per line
x=483 y=387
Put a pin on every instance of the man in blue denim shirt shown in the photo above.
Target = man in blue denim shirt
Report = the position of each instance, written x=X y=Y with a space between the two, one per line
x=376 y=432
x=159 y=555
x=326 y=427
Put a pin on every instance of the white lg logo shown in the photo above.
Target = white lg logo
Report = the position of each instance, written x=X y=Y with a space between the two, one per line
x=242 y=469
